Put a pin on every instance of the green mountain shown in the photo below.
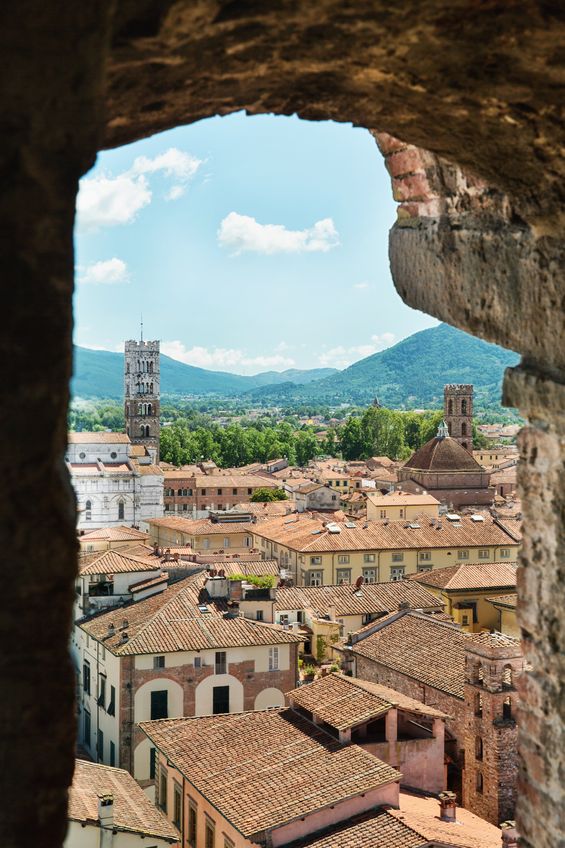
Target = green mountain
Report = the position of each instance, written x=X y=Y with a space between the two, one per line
x=99 y=374
x=410 y=374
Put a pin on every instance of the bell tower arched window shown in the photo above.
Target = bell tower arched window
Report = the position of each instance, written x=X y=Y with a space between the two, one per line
x=88 y=511
x=121 y=510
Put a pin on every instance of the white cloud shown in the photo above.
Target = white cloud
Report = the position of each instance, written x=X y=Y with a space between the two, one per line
x=361 y=286
x=225 y=359
x=341 y=357
x=243 y=233
x=105 y=272
x=106 y=201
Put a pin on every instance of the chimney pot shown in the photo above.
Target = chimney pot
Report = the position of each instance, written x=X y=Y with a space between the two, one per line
x=509 y=834
x=106 y=810
x=448 y=806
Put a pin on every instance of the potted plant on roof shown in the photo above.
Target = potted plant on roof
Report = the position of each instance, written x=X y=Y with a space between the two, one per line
x=308 y=673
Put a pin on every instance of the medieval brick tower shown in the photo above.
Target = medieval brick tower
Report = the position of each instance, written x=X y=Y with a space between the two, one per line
x=142 y=394
x=458 y=413
x=493 y=662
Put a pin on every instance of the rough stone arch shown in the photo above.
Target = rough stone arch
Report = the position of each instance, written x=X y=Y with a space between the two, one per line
x=476 y=244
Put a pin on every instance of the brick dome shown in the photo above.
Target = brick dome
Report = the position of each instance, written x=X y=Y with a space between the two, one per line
x=442 y=454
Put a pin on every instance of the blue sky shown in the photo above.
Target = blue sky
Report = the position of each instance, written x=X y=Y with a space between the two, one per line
x=249 y=244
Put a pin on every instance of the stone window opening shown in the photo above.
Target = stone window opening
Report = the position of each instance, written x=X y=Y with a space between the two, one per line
x=507 y=677
x=479 y=783
x=507 y=709
x=478 y=704
x=478 y=748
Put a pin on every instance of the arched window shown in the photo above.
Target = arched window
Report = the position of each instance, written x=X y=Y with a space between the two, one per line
x=449 y=427
x=507 y=677
x=478 y=704
x=151 y=389
x=88 y=511
x=478 y=748
x=507 y=708
x=121 y=510
x=150 y=367
x=150 y=409
x=142 y=431
x=463 y=429
x=479 y=783
x=463 y=407
x=450 y=407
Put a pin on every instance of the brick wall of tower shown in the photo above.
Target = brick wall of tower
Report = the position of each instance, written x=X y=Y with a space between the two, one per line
x=495 y=760
x=142 y=392
x=458 y=413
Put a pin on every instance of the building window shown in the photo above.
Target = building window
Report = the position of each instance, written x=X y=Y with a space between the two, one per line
x=220 y=491
x=478 y=704
x=221 y=662
x=315 y=578
x=88 y=511
x=192 y=823
x=507 y=708
x=234 y=491
x=315 y=560
x=112 y=705
x=505 y=553
x=250 y=491
x=121 y=510
x=398 y=557
x=226 y=542
x=396 y=573
x=209 y=835
x=462 y=554
x=163 y=790
x=152 y=763
x=478 y=748
x=86 y=729
x=159 y=662
x=177 y=805
x=464 y=620
x=343 y=576
x=259 y=615
x=425 y=556
x=202 y=491
x=484 y=553
x=112 y=754
x=220 y=699
x=159 y=704
x=383 y=513
x=86 y=677
x=343 y=559
x=370 y=575
x=507 y=677
x=463 y=429
x=273 y=659
x=197 y=662
x=479 y=783
x=401 y=512
x=463 y=407
x=100 y=746
x=368 y=557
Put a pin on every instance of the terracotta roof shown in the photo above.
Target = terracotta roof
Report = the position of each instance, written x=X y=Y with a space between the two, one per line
x=305 y=532
x=255 y=567
x=422 y=815
x=150 y=581
x=488 y=575
x=268 y=767
x=203 y=526
x=442 y=454
x=308 y=488
x=98 y=438
x=419 y=646
x=345 y=702
x=510 y=601
x=221 y=481
x=402 y=499
x=347 y=600
x=172 y=621
x=115 y=562
x=495 y=639
x=374 y=829
x=144 y=470
x=133 y=811
x=113 y=534
x=268 y=509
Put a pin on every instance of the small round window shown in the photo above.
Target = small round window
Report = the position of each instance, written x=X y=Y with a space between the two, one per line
x=113 y=454
x=82 y=455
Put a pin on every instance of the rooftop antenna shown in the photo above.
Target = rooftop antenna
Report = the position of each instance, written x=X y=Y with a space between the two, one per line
x=141 y=327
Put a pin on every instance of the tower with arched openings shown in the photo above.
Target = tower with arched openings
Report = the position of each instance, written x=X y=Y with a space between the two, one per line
x=458 y=413
x=142 y=374
x=493 y=664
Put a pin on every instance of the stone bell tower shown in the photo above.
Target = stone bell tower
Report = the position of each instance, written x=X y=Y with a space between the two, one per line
x=493 y=664
x=142 y=376
x=458 y=413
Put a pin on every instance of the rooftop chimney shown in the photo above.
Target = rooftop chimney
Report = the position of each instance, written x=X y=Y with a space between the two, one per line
x=509 y=834
x=111 y=629
x=106 y=810
x=125 y=637
x=448 y=806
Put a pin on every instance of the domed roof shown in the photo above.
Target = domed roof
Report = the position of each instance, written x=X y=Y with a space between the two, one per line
x=442 y=453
